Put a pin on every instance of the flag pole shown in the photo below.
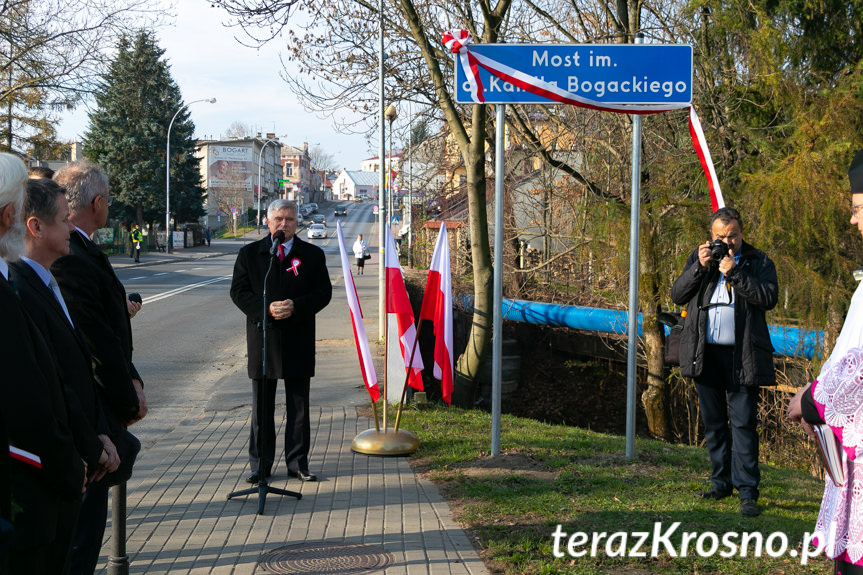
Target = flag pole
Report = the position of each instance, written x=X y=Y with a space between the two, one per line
x=386 y=318
x=375 y=411
x=408 y=375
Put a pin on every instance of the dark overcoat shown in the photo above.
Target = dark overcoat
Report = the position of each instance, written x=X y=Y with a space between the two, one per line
x=97 y=303
x=302 y=277
x=34 y=410
x=67 y=346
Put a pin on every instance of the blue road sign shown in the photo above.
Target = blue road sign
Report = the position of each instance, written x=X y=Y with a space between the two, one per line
x=606 y=73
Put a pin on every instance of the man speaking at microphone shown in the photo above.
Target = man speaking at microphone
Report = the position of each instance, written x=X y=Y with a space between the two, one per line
x=298 y=287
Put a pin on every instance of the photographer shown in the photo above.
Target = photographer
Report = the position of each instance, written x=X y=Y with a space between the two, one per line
x=727 y=286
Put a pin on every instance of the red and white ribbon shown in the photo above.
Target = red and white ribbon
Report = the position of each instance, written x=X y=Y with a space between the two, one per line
x=295 y=263
x=25 y=456
x=458 y=42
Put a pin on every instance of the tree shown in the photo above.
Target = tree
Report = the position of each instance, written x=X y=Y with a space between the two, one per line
x=238 y=130
x=320 y=159
x=759 y=67
x=127 y=135
x=53 y=53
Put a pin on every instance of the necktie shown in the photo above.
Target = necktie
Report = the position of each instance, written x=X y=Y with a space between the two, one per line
x=52 y=283
x=281 y=252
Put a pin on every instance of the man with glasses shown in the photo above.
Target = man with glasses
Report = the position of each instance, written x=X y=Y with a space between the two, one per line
x=99 y=308
x=727 y=286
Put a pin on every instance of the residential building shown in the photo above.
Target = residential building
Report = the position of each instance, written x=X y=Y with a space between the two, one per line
x=297 y=170
x=350 y=184
x=241 y=176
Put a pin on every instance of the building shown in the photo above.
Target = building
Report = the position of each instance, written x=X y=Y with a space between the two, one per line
x=297 y=170
x=351 y=185
x=239 y=174
x=374 y=164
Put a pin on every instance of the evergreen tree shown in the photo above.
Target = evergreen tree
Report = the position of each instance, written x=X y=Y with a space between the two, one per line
x=127 y=135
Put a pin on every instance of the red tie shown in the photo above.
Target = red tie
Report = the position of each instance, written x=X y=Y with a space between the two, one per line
x=281 y=252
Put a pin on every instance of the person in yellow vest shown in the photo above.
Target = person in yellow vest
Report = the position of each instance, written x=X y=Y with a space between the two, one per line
x=136 y=238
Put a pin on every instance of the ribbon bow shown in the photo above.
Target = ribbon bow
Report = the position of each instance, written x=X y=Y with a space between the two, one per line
x=295 y=263
x=457 y=42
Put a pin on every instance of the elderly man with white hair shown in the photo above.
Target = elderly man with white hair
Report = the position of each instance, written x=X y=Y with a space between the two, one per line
x=44 y=467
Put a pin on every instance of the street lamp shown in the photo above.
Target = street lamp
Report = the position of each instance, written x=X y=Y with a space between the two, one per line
x=168 y=172
x=260 y=184
x=390 y=114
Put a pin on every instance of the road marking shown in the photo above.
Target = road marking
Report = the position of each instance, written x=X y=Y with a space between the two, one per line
x=183 y=289
x=137 y=278
x=161 y=274
x=179 y=271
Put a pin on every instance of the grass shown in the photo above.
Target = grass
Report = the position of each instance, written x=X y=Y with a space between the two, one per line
x=550 y=475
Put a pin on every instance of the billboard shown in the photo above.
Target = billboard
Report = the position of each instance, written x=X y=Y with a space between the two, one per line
x=230 y=167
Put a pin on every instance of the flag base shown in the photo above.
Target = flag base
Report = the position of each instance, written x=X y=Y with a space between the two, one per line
x=374 y=442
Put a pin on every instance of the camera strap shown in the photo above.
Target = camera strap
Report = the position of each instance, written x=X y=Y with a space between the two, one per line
x=722 y=281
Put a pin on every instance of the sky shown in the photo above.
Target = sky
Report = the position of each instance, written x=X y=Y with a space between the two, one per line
x=207 y=62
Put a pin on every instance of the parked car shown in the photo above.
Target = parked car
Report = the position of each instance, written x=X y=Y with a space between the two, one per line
x=313 y=207
x=340 y=211
x=306 y=210
x=317 y=231
x=319 y=219
x=299 y=219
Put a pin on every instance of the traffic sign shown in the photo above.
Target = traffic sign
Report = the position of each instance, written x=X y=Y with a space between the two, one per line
x=606 y=73
x=374 y=209
x=395 y=220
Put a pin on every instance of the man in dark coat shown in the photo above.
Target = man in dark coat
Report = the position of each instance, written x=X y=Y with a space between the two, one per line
x=726 y=348
x=298 y=287
x=99 y=308
x=46 y=217
x=46 y=469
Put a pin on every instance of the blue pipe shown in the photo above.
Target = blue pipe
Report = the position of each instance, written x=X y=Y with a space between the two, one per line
x=789 y=341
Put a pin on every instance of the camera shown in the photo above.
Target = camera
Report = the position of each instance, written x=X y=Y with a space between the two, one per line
x=718 y=250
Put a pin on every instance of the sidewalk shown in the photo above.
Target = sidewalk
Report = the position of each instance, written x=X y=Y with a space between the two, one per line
x=364 y=515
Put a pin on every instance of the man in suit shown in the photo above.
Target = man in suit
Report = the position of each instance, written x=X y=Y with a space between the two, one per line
x=46 y=217
x=298 y=287
x=101 y=311
x=46 y=468
x=95 y=297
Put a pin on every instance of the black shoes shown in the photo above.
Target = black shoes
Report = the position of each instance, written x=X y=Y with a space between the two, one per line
x=749 y=508
x=715 y=493
x=303 y=475
x=255 y=477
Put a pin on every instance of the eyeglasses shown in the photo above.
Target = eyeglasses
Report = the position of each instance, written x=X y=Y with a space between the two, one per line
x=855 y=209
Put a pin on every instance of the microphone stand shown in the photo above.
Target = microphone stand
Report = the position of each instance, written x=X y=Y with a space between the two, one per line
x=263 y=488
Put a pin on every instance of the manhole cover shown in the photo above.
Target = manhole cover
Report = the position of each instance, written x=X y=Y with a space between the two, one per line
x=326 y=558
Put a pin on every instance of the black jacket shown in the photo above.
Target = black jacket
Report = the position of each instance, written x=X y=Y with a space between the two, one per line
x=291 y=341
x=74 y=364
x=34 y=410
x=97 y=303
x=756 y=290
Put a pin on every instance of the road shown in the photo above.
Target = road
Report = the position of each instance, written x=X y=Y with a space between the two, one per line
x=190 y=345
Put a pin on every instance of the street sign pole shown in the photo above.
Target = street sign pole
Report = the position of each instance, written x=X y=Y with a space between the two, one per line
x=632 y=337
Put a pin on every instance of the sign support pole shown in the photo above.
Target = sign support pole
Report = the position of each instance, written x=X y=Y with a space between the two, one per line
x=634 y=225
x=497 y=318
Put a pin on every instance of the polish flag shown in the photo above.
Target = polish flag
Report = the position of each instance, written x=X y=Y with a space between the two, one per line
x=399 y=304
x=437 y=307
x=370 y=378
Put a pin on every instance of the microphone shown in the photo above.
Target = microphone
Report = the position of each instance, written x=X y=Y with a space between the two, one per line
x=135 y=297
x=278 y=239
